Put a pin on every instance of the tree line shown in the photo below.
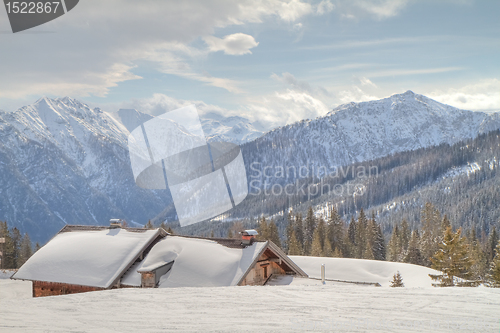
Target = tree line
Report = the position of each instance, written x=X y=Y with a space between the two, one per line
x=463 y=259
x=16 y=248
x=409 y=179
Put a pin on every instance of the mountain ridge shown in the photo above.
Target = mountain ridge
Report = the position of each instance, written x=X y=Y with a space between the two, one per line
x=357 y=132
x=64 y=162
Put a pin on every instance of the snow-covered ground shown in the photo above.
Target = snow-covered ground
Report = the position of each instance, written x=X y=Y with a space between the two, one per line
x=294 y=308
x=6 y=273
x=371 y=271
x=287 y=305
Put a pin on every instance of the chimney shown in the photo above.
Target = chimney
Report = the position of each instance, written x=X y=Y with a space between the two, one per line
x=116 y=223
x=248 y=236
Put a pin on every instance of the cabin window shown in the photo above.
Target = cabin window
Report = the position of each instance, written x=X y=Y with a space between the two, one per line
x=265 y=272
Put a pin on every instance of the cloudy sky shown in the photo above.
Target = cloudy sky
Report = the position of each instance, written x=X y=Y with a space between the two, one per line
x=276 y=61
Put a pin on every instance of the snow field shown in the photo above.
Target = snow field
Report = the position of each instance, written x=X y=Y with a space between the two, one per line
x=295 y=308
x=361 y=270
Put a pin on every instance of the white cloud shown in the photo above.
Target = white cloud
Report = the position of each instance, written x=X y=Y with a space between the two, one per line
x=402 y=72
x=355 y=94
x=282 y=108
x=161 y=103
x=271 y=110
x=96 y=83
x=97 y=44
x=366 y=82
x=306 y=105
x=482 y=95
x=290 y=80
x=325 y=6
x=235 y=44
x=293 y=10
x=377 y=9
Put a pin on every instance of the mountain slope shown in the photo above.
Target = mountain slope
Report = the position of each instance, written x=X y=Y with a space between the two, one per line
x=229 y=129
x=130 y=118
x=63 y=162
x=359 y=132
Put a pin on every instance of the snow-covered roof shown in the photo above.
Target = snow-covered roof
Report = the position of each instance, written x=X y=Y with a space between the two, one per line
x=200 y=262
x=91 y=258
x=131 y=277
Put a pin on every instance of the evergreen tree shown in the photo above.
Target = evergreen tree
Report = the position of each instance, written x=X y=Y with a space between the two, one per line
x=405 y=235
x=494 y=273
x=395 y=245
x=479 y=267
x=37 y=246
x=361 y=228
x=378 y=243
x=310 y=225
x=327 y=248
x=451 y=259
x=337 y=253
x=445 y=224
x=263 y=229
x=397 y=280
x=299 y=231
x=348 y=250
x=25 y=251
x=273 y=233
x=492 y=243
x=290 y=228
x=322 y=230
x=351 y=231
x=9 y=249
x=336 y=230
x=316 y=249
x=430 y=219
x=369 y=240
x=413 y=255
x=149 y=225
x=294 y=247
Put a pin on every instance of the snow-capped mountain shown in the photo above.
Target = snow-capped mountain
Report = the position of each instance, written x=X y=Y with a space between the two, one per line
x=215 y=126
x=63 y=162
x=230 y=129
x=359 y=132
x=130 y=118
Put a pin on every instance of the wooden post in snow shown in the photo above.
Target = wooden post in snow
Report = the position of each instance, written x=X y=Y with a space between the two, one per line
x=323 y=273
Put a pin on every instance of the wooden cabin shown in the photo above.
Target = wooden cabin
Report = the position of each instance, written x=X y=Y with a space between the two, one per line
x=90 y=258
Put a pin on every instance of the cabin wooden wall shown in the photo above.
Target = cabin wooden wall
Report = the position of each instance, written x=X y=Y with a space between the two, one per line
x=41 y=288
x=148 y=280
x=263 y=269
